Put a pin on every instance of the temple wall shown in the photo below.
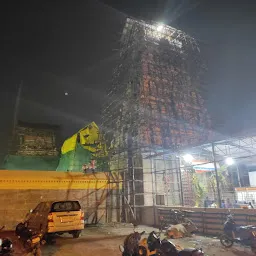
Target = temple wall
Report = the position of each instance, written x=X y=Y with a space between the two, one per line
x=21 y=191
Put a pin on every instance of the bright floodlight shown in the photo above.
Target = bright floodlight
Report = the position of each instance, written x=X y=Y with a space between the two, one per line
x=159 y=28
x=229 y=161
x=188 y=158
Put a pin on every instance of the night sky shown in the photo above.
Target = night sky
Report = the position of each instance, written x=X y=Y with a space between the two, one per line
x=71 y=46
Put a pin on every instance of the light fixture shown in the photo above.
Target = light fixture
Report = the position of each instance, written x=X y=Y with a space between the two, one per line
x=66 y=93
x=160 y=27
x=188 y=158
x=229 y=161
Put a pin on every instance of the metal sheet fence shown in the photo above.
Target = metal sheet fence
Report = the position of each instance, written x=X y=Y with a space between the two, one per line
x=210 y=220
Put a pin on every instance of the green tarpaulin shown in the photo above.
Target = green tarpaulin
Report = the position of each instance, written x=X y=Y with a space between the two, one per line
x=75 y=159
x=37 y=163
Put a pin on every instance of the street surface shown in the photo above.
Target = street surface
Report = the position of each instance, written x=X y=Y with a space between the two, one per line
x=105 y=240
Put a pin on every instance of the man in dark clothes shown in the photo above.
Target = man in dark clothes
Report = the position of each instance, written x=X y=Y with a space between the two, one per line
x=207 y=202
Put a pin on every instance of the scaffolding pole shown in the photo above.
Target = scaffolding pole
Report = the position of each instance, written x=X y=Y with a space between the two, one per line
x=154 y=104
x=181 y=186
x=216 y=175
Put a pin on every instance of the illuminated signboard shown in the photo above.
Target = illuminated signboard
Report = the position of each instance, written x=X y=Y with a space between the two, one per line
x=202 y=167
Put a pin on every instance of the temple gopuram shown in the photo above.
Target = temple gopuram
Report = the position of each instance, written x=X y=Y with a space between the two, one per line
x=34 y=147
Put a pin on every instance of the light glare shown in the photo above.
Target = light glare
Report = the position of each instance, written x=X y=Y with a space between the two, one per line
x=188 y=158
x=159 y=28
x=229 y=161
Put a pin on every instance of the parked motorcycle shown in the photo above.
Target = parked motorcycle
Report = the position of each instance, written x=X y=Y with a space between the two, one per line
x=31 y=240
x=174 y=222
x=175 y=217
x=166 y=248
x=131 y=244
x=6 y=246
x=244 y=235
x=154 y=246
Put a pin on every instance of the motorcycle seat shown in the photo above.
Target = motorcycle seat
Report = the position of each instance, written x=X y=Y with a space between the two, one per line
x=245 y=228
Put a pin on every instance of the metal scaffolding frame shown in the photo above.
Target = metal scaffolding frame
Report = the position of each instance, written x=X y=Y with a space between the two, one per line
x=241 y=149
x=154 y=105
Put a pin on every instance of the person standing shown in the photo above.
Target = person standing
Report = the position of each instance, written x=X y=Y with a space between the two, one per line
x=228 y=204
x=207 y=202
x=236 y=205
x=223 y=205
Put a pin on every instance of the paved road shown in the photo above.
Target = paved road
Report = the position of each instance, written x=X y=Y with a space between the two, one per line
x=86 y=246
x=106 y=240
x=99 y=242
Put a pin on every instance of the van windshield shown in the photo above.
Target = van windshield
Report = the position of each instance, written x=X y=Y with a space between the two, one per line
x=66 y=206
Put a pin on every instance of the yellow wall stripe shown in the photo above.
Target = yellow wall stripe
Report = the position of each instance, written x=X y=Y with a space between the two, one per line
x=56 y=180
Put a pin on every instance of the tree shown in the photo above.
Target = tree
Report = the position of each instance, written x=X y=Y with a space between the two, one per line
x=224 y=181
x=199 y=190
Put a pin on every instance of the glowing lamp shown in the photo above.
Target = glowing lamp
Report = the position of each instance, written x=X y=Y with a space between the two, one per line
x=229 y=161
x=188 y=158
x=160 y=28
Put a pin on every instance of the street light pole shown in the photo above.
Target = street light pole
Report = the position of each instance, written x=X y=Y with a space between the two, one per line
x=16 y=110
x=216 y=174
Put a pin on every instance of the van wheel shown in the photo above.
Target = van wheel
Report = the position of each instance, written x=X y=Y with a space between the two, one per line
x=49 y=239
x=76 y=234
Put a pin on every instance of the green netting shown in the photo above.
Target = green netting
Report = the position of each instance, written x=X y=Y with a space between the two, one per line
x=75 y=159
x=37 y=163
